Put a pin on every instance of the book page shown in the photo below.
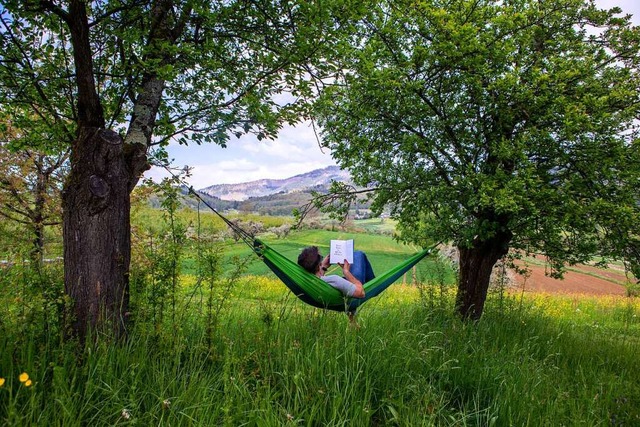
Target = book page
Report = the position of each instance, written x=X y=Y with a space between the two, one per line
x=341 y=250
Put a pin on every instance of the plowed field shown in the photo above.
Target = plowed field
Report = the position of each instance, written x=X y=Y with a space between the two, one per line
x=581 y=279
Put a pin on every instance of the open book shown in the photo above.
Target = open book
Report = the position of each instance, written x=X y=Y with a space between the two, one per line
x=341 y=250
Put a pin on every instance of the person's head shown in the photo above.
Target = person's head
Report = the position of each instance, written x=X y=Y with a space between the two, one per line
x=310 y=259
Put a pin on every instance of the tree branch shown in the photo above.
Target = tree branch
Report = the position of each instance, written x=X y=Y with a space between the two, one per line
x=50 y=6
x=340 y=197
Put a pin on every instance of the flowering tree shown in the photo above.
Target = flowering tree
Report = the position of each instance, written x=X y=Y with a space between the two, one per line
x=30 y=190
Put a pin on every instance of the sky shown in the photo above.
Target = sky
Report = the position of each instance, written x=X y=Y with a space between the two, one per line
x=296 y=150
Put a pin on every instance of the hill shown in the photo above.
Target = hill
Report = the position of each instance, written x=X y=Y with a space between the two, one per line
x=275 y=197
x=317 y=179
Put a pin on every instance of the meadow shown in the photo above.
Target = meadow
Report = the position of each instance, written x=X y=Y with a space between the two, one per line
x=270 y=360
x=215 y=340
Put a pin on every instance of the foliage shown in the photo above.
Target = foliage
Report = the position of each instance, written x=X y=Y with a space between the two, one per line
x=33 y=301
x=494 y=125
x=225 y=69
x=168 y=242
x=31 y=182
x=490 y=126
x=278 y=204
x=36 y=75
x=243 y=350
x=152 y=217
x=337 y=202
x=194 y=71
x=36 y=129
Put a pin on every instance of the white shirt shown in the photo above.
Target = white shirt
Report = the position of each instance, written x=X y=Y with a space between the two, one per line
x=341 y=284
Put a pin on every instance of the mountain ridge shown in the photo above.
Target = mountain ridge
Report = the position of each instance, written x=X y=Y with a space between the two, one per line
x=266 y=187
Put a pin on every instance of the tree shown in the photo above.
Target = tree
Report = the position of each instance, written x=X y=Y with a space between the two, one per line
x=30 y=187
x=140 y=74
x=495 y=125
x=35 y=131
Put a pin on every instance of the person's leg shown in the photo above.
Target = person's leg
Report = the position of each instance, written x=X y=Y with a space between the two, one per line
x=361 y=267
x=369 y=275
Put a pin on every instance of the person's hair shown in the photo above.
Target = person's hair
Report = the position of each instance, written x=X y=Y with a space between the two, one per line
x=309 y=259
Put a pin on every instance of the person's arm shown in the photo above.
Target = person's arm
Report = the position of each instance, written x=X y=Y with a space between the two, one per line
x=346 y=267
x=324 y=265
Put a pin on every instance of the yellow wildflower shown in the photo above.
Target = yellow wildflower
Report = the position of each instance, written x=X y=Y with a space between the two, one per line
x=1 y=381
x=24 y=377
x=27 y=383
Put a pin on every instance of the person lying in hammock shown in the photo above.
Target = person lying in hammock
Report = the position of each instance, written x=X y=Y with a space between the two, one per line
x=354 y=274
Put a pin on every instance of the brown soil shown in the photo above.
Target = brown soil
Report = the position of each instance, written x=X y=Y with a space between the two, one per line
x=581 y=279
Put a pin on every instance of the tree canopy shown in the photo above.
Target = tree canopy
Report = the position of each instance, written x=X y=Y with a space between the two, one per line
x=113 y=80
x=494 y=125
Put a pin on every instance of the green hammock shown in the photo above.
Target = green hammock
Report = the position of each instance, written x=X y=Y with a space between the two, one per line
x=316 y=292
x=308 y=287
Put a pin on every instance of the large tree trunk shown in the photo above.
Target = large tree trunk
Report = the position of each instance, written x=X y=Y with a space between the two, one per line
x=96 y=197
x=96 y=231
x=476 y=265
x=104 y=171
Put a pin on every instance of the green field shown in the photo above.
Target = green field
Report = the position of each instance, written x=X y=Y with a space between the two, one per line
x=269 y=360
x=237 y=348
x=383 y=251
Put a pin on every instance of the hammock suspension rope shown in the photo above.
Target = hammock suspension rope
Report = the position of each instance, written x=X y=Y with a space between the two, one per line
x=306 y=286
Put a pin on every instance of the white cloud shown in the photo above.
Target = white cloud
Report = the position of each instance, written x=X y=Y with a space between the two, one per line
x=627 y=6
x=156 y=174
x=293 y=144
x=239 y=166
x=295 y=151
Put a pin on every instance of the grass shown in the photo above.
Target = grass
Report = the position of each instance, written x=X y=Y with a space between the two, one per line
x=383 y=251
x=377 y=225
x=272 y=361
x=265 y=359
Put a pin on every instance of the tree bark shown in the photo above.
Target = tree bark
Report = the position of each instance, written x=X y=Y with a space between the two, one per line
x=104 y=171
x=476 y=265
x=37 y=221
x=96 y=228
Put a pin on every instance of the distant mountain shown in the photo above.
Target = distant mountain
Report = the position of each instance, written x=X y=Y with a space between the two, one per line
x=283 y=195
x=318 y=179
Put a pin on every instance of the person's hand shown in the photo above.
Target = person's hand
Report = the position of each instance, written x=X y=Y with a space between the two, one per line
x=345 y=266
x=325 y=262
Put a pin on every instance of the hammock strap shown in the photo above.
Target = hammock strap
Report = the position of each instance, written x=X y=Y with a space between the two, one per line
x=308 y=287
x=246 y=237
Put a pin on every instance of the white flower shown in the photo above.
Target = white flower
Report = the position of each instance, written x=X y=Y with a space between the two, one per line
x=126 y=414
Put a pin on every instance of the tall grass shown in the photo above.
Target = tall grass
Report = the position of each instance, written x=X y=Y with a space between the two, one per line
x=275 y=361
x=207 y=348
